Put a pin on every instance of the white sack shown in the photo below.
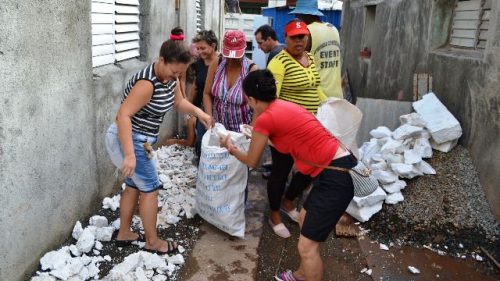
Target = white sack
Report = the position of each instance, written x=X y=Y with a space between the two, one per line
x=220 y=189
x=365 y=213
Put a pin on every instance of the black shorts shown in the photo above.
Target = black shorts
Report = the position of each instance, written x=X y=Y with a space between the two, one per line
x=331 y=194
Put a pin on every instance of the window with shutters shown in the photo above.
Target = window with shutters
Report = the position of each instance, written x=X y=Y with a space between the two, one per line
x=471 y=20
x=199 y=16
x=115 y=31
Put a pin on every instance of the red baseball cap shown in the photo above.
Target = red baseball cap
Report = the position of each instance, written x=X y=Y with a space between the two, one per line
x=296 y=28
x=234 y=44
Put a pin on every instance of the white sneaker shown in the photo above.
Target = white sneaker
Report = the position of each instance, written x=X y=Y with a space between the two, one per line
x=293 y=214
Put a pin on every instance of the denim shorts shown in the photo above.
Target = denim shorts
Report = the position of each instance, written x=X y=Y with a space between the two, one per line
x=145 y=177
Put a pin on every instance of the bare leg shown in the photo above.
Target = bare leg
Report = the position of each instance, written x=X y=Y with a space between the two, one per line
x=128 y=203
x=287 y=204
x=311 y=265
x=148 y=208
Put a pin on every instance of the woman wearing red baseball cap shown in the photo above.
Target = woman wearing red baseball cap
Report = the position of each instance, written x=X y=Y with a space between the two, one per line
x=223 y=96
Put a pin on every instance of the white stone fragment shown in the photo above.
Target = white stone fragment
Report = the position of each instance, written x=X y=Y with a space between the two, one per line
x=406 y=131
x=365 y=213
x=98 y=221
x=172 y=219
x=159 y=278
x=413 y=119
x=369 y=272
x=394 y=198
x=423 y=147
x=111 y=203
x=385 y=177
x=104 y=233
x=394 y=187
x=405 y=170
x=55 y=259
x=140 y=275
x=413 y=269
x=371 y=199
x=77 y=230
x=442 y=125
x=445 y=146
x=382 y=165
x=107 y=258
x=392 y=146
x=86 y=241
x=43 y=278
x=98 y=245
x=176 y=259
x=412 y=157
x=391 y=158
x=96 y=252
x=74 y=251
x=116 y=223
x=425 y=168
x=381 y=132
x=383 y=246
x=363 y=270
x=181 y=249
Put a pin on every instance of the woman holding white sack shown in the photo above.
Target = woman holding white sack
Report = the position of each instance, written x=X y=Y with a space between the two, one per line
x=293 y=130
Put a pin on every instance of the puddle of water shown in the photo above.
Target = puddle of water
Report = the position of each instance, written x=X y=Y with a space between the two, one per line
x=393 y=264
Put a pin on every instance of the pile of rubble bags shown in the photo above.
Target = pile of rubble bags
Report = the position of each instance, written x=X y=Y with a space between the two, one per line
x=396 y=155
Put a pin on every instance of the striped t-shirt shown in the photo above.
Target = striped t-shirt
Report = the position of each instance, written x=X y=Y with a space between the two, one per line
x=296 y=83
x=148 y=119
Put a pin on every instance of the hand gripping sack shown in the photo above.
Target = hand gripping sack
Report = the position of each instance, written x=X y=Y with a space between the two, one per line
x=220 y=188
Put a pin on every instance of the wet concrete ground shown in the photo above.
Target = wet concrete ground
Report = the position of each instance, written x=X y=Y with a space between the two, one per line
x=226 y=258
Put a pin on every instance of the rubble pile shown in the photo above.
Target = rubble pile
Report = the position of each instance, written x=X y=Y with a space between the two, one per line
x=81 y=260
x=399 y=154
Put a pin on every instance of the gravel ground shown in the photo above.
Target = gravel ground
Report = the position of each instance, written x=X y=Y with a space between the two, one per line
x=447 y=212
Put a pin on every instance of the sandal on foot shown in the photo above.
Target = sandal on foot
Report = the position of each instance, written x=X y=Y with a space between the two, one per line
x=173 y=248
x=293 y=214
x=279 y=229
x=287 y=276
x=125 y=243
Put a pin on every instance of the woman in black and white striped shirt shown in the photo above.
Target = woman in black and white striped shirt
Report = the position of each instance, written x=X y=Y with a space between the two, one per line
x=148 y=95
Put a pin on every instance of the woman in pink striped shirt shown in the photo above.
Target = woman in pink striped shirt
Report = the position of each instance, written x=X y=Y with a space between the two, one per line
x=223 y=96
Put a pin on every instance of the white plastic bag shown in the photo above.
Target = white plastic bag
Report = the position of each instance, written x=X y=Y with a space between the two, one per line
x=222 y=179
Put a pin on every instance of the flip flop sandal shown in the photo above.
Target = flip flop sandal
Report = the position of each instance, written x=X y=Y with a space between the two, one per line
x=125 y=243
x=173 y=248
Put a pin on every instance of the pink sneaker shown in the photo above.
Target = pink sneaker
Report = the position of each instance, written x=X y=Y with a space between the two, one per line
x=293 y=214
x=286 y=276
x=280 y=229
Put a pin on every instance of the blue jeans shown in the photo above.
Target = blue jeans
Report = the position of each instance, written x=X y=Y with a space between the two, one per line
x=145 y=177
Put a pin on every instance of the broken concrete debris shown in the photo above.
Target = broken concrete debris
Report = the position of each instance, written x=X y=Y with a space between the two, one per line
x=399 y=154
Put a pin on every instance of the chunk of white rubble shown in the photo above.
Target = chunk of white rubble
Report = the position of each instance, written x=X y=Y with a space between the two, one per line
x=382 y=165
x=98 y=221
x=86 y=241
x=423 y=147
x=71 y=268
x=77 y=230
x=394 y=187
x=55 y=259
x=365 y=213
x=104 y=233
x=181 y=249
x=413 y=269
x=413 y=119
x=391 y=158
x=412 y=157
x=392 y=146
x=111 y=203
x=383 y=246
x=176 y=259
x=442 y=125
x=445 y=146
x=371 y=199
x=98 y=245
x=394 y=198
x=107 y=258
x=43 y=278
x=172 y=219
x=116 y=223
x=159 y=278
x=140 y=275
x=369 y=272
x=385 y=177
x=74 y=251
x=425 y=168
x=406 y=131
x=381 y=132
x=405 y=170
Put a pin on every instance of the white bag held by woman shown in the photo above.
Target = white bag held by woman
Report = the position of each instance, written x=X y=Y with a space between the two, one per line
x=222 y=180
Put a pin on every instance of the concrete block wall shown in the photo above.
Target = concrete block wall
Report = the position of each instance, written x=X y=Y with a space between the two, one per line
x=411 y=37
x=55 y=109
